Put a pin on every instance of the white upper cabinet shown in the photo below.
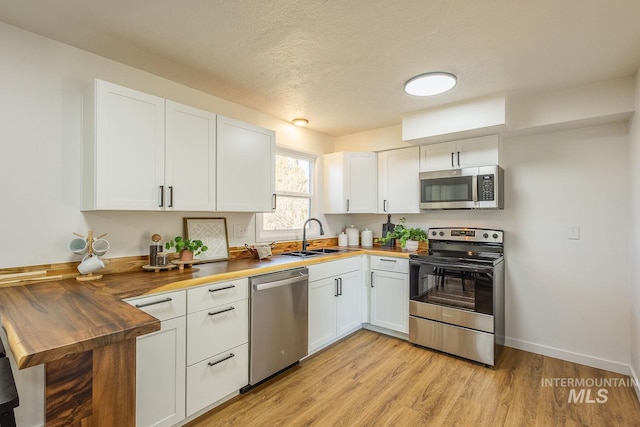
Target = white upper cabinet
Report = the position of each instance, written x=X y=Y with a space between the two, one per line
x=398 y=180
x=245 y=167
x=143 y=156
x=481 y=151
x=190 y=158
x=350 y=181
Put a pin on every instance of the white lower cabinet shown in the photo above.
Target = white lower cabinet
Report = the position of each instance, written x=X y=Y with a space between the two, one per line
x=160 y=362
x=390 y=293
x=217 y=342
x=334 y=301
x=217 y=377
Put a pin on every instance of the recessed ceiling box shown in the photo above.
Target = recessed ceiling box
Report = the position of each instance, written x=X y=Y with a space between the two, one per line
x=477 y=117
x=589 y=105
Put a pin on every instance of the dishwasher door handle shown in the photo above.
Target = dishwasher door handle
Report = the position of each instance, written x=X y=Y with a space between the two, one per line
x=284 y=282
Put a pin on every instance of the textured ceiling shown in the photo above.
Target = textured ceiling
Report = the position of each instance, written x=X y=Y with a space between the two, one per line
x=342 y=63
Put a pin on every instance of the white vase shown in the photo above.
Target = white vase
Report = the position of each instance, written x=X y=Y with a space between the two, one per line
x=412 y=245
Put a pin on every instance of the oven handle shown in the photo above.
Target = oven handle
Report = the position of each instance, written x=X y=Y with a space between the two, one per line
x=453 y=265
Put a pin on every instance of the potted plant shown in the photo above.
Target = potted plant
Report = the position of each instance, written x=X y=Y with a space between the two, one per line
x=187 y=248
x=409 y=238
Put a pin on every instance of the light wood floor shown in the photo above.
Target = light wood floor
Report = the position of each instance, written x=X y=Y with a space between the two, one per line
x=370 y=379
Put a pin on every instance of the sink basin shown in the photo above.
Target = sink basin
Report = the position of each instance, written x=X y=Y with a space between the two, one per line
x=301 y=254
x=314 y=252
x=326 y=250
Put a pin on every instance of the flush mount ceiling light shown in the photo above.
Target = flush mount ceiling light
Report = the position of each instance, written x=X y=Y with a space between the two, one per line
x=429 y=84
x=300 y=122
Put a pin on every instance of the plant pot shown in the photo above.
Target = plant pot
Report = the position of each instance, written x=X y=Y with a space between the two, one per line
x=186 y=255
x=412 y=245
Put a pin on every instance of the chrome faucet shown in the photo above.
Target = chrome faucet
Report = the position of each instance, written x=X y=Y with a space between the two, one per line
x=304 y=232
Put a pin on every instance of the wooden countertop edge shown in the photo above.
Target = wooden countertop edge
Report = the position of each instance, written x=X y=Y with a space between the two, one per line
x=27 y=358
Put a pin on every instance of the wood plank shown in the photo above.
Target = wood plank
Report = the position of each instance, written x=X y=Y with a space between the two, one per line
x=68 y=390
x=114 y=384
x=372 y=379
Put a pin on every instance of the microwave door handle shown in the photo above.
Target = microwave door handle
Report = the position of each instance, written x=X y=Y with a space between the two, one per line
x=474 y=189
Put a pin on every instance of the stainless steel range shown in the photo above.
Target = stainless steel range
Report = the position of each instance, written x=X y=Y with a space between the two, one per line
x=457 y=293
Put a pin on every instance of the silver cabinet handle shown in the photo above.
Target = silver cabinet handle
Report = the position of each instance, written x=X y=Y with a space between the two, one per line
x=388 y=260
x=161 y=196
x=274 y=201
x=147 y=304
x=340 y=286
x=458 y=159
x=452 y=165
x=222 y=289
x=335 y=287
x=384 y=206
x=171 y=196
x=372 y=279
x=347 y=205
x=213 y=313
x=221 y=360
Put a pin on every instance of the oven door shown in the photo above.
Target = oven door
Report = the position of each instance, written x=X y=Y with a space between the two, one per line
x=451 y=189
x=460 y=285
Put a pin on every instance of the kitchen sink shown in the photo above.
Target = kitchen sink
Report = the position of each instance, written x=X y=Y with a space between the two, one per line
x=301 y=254
x=314 y=252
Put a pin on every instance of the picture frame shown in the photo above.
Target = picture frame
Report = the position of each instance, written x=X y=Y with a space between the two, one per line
x=213 y=233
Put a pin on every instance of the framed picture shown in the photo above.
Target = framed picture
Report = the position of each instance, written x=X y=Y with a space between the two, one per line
x=213 y=233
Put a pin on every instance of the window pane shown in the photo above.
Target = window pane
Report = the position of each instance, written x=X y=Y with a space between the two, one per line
x=290 y=214
x=292 y=174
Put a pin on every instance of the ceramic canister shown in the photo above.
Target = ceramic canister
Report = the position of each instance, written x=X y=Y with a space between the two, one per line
x=353 y=235
x=343 y=240
x=366 y=239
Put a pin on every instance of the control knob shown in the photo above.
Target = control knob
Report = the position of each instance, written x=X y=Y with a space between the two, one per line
x=495 y=235
x=485 y=235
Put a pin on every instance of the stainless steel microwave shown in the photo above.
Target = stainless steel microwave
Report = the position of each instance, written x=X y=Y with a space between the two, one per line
x=479 y=187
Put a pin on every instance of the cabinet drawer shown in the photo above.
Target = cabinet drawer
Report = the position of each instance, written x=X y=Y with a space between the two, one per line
x=162 y=306
x=217 y=377
x=334 y=268
x=216 y=329
x=214 y=294
x=388 y=263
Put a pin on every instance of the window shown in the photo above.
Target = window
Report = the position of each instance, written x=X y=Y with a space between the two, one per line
x=294 y=172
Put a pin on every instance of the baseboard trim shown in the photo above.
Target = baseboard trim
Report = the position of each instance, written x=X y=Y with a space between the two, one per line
x=569 y=356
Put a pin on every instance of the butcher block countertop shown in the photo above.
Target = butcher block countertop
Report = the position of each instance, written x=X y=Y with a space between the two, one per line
x=47 y=321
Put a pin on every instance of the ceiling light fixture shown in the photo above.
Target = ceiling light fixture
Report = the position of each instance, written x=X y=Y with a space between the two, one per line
x=429 y=84
x=300 y=122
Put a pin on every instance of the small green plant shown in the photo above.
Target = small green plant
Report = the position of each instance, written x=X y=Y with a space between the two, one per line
x=180 y=244
x=402 y=234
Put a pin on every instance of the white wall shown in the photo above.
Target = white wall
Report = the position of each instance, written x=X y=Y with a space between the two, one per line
x=41 y=89
x=634 y=236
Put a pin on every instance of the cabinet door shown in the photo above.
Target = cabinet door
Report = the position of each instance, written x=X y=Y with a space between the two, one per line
x=390 y=300
x=129 y=150
x=322 y=312
x=160 y=375
x=348 y=312
x=399 y=182
x=245 y=173
x=362 y=182
x=482 y=151
x=437 y=157
x=190 y=148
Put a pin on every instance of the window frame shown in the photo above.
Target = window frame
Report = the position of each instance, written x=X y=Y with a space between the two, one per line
x=313 y=230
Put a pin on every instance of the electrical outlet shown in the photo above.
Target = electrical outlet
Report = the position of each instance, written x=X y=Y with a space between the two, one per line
x=240 y=230
x=573 y=232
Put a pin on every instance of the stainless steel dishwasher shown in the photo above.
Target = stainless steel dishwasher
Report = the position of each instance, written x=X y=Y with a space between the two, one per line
x=279 y=322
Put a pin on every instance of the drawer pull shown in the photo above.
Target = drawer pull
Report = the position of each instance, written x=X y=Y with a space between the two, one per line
x=213 y=313
x=222 y=289
x=388 y=260
x=221 y=360
x=147 y=304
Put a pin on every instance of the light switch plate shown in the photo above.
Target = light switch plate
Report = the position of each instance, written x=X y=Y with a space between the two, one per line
x=573 y=232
